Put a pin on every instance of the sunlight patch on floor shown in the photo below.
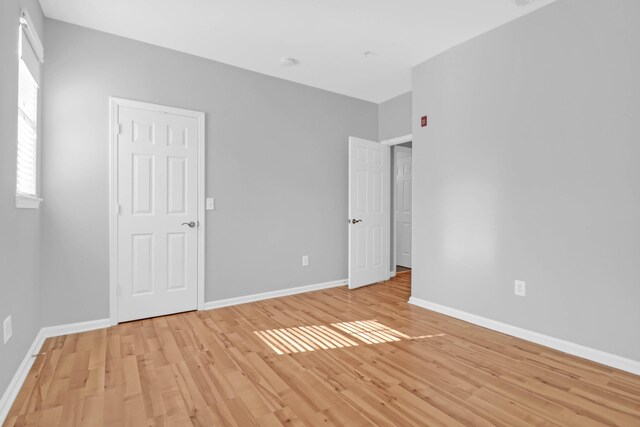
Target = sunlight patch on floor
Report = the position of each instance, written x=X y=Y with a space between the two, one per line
x=370 y=331
x=310 y=338
x=303 y=338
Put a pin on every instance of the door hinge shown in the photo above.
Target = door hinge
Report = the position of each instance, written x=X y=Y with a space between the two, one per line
x=119 y=130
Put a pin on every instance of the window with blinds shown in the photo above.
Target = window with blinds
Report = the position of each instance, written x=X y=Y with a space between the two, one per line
x=30 y=58
x=27 y=132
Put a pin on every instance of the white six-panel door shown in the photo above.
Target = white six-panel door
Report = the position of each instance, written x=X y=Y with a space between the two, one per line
x=368 y=212
x=403 y=206
x=157 y=196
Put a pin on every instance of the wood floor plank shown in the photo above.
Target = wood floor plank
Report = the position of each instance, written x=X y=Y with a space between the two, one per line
x=332 y=357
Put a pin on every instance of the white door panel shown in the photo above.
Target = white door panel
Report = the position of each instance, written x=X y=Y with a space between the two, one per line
x=157 y=194
x=368 y=212
x=403 y=206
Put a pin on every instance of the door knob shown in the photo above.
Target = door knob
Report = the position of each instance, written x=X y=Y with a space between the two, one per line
x=355 y=221
x=191 y=224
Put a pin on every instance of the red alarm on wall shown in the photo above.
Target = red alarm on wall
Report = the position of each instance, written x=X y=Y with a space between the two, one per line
x=423 y=121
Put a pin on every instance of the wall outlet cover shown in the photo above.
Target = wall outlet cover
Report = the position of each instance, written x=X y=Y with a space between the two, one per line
x=8 y=329
x=520 y=288
x=211 y=204
x=305 y=260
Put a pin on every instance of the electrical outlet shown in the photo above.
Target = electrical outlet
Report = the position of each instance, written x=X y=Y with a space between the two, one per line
x=8 y=329
x=305 y=260
x=211 y=204
x=520 y=288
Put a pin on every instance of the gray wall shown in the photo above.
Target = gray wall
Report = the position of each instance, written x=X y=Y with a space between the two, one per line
x=394 y=117
x=19 y=228
x=529 y=170
x=276 y=164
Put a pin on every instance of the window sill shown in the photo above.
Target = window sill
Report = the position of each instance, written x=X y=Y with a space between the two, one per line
x=27 y=202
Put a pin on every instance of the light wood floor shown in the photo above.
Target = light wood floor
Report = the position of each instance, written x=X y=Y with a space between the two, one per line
x=393 y=364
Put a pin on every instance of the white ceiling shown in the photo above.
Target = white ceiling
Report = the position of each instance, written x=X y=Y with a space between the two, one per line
x=328 y=37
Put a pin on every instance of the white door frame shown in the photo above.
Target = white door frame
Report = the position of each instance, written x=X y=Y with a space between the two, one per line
x=393 y=204
x=395 y=141
x=399 y=140
x=114 y=104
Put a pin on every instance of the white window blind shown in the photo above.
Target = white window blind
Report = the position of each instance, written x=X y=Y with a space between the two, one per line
x=27 y=132
x=28 y=75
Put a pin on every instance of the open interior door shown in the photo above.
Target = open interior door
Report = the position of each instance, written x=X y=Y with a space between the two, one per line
x=369 y=222
x=402 y=204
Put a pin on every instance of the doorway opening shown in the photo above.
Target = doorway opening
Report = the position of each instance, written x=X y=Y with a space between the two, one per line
x=380 y=204
x=401 y=204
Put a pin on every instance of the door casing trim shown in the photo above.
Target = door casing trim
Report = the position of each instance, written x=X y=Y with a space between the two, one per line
x=399 y=140
x=395 y=141
x=114 y=104
x=394 y=227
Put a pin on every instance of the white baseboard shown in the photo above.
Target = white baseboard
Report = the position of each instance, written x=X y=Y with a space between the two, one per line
x=75 y=328
x=598 y=356
x=12 y=390
x=273 y=294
